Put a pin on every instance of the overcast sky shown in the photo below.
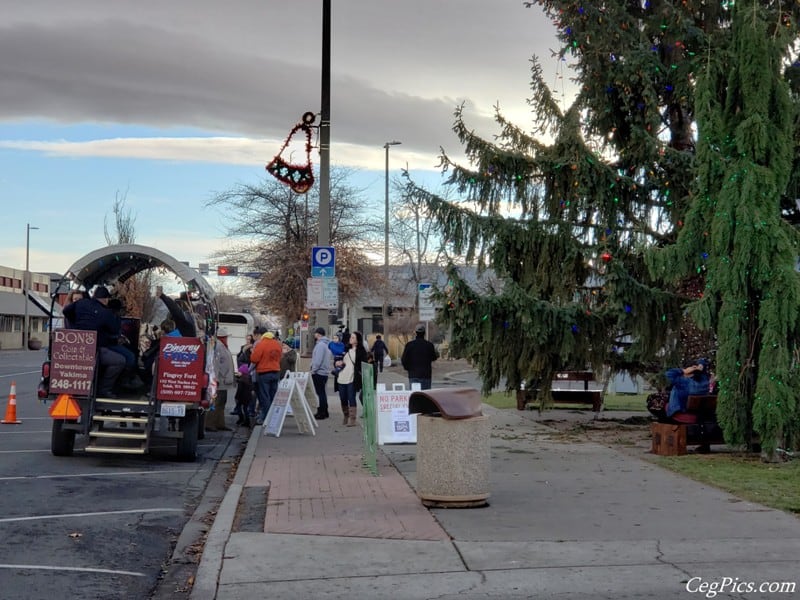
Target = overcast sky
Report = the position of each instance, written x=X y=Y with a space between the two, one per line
x=172 y=100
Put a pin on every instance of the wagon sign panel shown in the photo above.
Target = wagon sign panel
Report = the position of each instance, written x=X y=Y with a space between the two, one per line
x=72 y=360
x=180 y=369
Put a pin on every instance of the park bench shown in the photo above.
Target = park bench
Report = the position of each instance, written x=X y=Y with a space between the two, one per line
x=569 y=387
x=671 y=437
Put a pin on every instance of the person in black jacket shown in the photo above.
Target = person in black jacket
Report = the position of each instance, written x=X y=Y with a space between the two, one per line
x=379 y=350
x=93 y=314
x=417 y=359
x=244 y=395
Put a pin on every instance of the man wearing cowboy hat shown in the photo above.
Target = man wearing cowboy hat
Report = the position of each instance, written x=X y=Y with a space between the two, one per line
x=223 y=369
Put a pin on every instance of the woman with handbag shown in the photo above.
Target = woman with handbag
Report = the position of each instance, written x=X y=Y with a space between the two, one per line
x=350 y=376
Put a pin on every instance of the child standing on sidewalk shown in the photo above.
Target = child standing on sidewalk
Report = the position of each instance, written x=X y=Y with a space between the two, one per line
x=244 y=395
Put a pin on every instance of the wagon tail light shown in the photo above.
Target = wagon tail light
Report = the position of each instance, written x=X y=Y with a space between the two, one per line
x=43 y=389
x=204 y=402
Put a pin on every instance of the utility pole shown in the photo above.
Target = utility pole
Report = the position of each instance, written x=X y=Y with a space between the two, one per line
x=324 y=233
x=26 y=284
x=386 y=146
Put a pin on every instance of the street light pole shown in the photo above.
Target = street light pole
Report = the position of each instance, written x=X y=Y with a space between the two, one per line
x=324 y=233
x=386 y=249
x=26 y=284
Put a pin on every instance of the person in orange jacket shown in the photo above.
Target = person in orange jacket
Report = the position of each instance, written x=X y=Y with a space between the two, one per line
x=266 y=358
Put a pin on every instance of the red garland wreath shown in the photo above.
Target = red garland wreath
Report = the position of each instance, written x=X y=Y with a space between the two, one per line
x=298 y=177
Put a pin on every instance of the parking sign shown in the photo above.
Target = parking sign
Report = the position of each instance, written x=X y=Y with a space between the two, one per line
x=323 y=261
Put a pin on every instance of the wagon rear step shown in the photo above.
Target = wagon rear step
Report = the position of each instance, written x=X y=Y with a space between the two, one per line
x=120 y=426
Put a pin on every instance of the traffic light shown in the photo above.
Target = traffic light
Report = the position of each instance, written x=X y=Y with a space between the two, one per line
x=227 y=270
x=304 y=316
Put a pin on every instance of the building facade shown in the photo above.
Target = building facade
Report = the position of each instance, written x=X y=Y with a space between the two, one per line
x=12 y=307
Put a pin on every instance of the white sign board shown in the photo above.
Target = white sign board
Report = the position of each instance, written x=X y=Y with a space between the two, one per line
x=395 y=425
x=277 y=410
x=305 y=389
x=322 y=293
x=300 y=411
x=427 y=311
x=288 y=401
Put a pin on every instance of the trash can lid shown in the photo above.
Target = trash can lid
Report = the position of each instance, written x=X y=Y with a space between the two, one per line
x=452 y=403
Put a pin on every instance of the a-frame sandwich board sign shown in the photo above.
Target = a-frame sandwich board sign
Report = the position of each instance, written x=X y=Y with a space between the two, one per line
x=276 y=415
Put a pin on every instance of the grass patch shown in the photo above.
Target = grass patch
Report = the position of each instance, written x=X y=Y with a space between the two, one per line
x=612 y=402
x=774 y=485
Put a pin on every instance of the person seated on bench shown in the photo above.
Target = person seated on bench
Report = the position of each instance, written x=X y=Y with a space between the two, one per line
x=93 y=314
x=692 y=380
x=695 y=379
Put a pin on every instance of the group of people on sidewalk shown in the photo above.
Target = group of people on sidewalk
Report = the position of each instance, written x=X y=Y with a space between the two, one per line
x=343 y=358
x=262 y=362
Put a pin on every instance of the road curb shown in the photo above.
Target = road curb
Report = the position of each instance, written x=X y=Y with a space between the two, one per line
x=208 y=571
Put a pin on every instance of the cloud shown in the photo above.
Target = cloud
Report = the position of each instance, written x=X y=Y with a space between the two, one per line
x=218 y=150
x=204 y=81
x=252 y=69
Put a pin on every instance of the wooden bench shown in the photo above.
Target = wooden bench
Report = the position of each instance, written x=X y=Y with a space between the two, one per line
x=563 y=393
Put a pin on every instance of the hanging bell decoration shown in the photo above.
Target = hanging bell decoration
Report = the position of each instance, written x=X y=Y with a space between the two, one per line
x=299 y=177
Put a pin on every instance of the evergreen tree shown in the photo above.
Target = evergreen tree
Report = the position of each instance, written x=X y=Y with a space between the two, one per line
x=575 y=289
x=616 y=182
x=735 y=231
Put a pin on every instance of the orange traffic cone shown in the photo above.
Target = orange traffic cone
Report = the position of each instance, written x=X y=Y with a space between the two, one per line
x=11 y=408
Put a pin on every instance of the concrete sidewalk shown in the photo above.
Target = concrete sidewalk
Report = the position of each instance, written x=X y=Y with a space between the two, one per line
x=304 y=519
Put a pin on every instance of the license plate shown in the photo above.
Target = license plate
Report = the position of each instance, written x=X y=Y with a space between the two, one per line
x=173 y=410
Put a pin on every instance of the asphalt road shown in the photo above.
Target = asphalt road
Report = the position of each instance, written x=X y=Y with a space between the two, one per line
x=93 y=526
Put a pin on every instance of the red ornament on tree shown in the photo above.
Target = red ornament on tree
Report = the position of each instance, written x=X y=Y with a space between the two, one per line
x=606 y=256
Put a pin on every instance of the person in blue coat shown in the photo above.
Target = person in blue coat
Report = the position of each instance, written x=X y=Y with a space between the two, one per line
x=693 y=379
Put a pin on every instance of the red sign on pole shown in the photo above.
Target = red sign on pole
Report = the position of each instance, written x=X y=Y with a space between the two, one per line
x=180 y=369
x=72 y=360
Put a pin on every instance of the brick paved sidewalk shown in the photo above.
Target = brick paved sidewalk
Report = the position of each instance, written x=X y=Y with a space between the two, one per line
x=317 y=485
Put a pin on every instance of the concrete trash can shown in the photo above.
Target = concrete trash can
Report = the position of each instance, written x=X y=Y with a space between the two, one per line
x=453 y=451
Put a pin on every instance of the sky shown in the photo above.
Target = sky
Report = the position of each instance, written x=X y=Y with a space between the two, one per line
x=166 y=103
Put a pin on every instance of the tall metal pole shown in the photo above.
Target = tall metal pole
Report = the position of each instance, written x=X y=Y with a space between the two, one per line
x=386 y=249
x=26 y=284
x=324 y=233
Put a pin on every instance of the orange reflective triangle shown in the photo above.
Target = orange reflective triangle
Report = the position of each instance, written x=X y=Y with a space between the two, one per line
x=65 y=407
